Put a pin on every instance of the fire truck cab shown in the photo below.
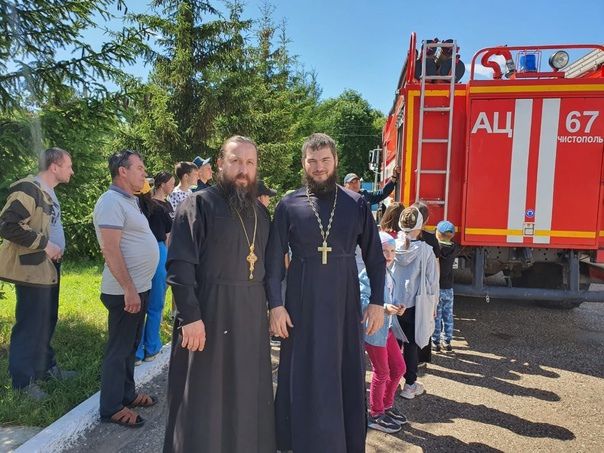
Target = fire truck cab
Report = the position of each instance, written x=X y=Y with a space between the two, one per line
x=514 y=159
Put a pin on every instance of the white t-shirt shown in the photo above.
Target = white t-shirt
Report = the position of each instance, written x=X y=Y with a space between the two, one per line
x=177 y=197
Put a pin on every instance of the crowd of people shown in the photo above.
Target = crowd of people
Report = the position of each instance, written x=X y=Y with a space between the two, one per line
x=335 y=285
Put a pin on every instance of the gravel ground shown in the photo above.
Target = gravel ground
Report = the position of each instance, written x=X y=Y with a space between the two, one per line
x=521 y=378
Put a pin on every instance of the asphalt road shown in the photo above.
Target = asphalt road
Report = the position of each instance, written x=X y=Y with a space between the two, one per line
x=520 y=379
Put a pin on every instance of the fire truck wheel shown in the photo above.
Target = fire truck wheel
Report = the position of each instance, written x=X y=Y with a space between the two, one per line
x=559 y=304
x=540 y=275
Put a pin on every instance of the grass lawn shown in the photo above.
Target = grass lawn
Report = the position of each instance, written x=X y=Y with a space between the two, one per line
x=78 y=342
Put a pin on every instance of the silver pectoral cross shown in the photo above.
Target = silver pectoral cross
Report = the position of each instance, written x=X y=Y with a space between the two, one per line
x=324 y=250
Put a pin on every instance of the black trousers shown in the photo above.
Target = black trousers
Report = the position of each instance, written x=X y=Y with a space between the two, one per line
x=117 y=373
x=411 y=350
x=30 y=355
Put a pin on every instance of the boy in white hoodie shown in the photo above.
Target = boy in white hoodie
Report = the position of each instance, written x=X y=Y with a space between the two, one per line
x=415 y=269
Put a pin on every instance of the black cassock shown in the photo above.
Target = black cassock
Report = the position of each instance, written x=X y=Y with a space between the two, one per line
x=320 y=403
x=220 y=399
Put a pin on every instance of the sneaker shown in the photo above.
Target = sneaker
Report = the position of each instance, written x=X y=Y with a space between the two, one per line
x=436 y=346
x=138 y=362
x=60 y=375
x=395 y=415
x=150 y=358
x=448 y=346
x=383 y=423
x=411 y=391
x=34 y=391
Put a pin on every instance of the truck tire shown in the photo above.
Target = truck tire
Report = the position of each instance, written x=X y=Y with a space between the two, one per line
x=549 y=276
x=541 y=275
x=559 y=304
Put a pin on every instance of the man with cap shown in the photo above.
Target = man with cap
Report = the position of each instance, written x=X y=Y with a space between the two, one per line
x=353 y=182
x=265 y=193
x=205 y=173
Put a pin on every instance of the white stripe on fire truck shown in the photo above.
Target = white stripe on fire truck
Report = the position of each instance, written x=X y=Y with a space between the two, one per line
x=518 y=169
x=546 y=168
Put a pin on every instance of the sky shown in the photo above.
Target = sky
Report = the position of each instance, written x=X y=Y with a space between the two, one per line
x=361 y=45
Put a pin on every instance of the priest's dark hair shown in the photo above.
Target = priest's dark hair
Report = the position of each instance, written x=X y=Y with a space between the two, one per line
x=236 y=139
x=317 y=141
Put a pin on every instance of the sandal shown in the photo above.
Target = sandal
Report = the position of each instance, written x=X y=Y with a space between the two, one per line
x=143 y=400
x=125 y=417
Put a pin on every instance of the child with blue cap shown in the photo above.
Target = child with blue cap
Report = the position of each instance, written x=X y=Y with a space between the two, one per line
x=449 y=250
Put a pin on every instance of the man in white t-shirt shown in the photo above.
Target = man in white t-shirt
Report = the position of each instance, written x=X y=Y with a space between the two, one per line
x=131 y=256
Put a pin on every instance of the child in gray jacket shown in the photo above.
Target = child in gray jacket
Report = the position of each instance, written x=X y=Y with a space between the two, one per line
x=415 y=270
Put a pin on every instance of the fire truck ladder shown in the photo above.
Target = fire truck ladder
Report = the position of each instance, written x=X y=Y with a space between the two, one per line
x=423 y=109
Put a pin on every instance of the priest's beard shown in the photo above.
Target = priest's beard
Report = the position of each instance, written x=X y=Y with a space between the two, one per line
x=241 y=198
x=321 y=188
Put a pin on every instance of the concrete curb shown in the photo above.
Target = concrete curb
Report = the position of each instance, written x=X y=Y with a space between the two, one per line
x=69 y=427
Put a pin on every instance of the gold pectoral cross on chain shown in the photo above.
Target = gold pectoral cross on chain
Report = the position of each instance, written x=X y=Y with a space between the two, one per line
x=324 y=250
x=251 y=259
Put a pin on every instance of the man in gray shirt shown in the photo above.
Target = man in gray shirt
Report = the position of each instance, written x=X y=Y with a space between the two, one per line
x=131 y=255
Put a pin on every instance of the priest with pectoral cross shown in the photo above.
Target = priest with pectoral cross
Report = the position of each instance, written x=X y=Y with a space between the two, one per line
x=220 y=392
x=320 y=401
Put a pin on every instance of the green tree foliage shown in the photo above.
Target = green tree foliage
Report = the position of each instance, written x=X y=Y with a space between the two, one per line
x=214 y=73
x=280 y=103
x=35 y=34
x=194 y=47
x=356 y=127
x=89 y=143
x=85 y=128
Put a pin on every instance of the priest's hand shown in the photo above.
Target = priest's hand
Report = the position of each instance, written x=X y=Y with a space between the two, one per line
x=194 y=336
x=374 y=317
x=279 y=322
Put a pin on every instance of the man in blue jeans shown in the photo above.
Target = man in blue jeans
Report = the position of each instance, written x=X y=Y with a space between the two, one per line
x=445 y=231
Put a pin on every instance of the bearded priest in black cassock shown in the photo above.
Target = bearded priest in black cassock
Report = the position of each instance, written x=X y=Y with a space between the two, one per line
x=320 y=403
x=220 y=393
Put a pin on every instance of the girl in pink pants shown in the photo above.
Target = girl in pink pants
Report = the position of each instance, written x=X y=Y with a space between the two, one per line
x=384 y=352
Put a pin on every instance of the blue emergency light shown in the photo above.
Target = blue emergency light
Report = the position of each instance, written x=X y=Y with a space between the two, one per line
x=528 y=61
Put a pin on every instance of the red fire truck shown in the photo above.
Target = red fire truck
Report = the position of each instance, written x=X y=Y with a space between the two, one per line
x=515 y=161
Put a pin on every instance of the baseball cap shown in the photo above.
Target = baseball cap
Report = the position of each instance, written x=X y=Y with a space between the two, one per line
x=263 y=190
x=350 y=177
x=444 y=226
x=200 y=161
